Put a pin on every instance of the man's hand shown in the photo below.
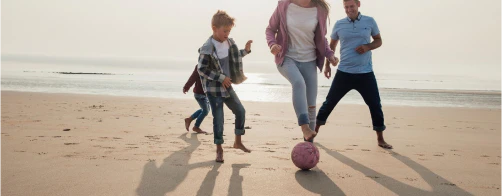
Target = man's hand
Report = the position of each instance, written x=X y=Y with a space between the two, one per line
x=362 y=49
x=185 y=91
x=248 y=46
x=227 y=82
x=327 y=71
x=334 y=61
x=275 y=49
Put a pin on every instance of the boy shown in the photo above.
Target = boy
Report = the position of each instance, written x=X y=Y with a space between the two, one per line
x=220 y=65
x=201 y=98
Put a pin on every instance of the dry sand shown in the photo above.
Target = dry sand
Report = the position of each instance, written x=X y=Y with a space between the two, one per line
x=138 y=146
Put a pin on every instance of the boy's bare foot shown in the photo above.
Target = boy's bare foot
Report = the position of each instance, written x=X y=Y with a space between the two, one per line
x=308 y=134
x=241 y=146
x=219 y=156
x=188 y=121
x=198 y=130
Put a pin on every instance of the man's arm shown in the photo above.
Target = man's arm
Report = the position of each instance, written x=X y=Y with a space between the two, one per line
x=377 y=42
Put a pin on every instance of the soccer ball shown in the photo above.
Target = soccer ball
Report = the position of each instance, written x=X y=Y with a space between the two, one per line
x=305 y=155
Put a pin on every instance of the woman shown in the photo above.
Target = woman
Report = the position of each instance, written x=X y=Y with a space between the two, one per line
x=296 y=35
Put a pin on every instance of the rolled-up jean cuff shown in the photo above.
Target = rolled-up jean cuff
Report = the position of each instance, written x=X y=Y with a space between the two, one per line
x=218 y=141
x=379 y=128
x=240 y=131
x=303 y=119
x=320 y=122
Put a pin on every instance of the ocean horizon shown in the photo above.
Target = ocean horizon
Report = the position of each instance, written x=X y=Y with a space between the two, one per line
x=165 y=79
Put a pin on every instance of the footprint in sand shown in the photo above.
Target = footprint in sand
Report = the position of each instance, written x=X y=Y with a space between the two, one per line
x=448 y=184
x=349 y=149
x=365 y=150
x=411 y=179
x=269 y=151
x=280 y=158
x=70 y=143
x=374 y=177
x=353 y=145
x=439 y=155
x=494 y=163
x=485 y=156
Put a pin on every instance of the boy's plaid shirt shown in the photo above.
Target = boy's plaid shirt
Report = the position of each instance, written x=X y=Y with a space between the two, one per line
x=210 y=70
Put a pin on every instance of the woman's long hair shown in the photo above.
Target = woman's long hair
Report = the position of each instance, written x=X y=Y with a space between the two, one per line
x=323 y=4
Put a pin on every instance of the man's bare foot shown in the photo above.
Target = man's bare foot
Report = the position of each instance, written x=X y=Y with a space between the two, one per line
x=317 y=128
x=241 y=146
x=384 y=144
x=188 y=121
x=308 y=134
x=219 y=156
x=198 y=130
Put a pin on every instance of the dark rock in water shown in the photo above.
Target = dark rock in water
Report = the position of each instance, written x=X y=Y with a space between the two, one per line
x=83 y=73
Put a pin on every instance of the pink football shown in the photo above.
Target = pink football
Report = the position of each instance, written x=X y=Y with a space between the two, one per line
x=305 y=155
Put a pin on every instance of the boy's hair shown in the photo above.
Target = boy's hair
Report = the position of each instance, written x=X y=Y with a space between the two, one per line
x=349 y=0
x=221 y=18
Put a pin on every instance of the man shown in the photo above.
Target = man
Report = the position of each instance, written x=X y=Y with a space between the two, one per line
x=355 y=70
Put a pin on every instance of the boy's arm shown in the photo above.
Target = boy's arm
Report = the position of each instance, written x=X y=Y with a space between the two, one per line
x=191 y=80
x=243 y=52
x=206 y=72
x=247 y=49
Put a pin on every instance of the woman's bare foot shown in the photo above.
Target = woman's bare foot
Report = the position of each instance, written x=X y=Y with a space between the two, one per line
x=219 y=156
x=198 y=130
x=188 y=121
x=241 y=146
x=308 y=134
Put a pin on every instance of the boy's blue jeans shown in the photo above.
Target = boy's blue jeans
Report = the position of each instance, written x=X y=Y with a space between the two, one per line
x=365 y=84
x=203 y=112
x=234 y=104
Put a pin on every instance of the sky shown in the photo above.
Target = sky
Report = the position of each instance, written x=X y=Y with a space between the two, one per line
x=437 y=37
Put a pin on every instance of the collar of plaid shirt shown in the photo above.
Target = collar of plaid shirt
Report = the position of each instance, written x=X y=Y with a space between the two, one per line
x=235 y=60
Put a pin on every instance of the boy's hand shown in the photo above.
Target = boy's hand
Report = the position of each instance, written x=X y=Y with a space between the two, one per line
x=248 y=46
x=227 y=82
x=275 y=49
x=185 y=91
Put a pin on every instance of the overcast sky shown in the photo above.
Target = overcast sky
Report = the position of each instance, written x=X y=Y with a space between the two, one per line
x=440 y=37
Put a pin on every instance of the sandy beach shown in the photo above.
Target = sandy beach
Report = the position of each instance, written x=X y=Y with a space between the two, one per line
x=139 y=146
